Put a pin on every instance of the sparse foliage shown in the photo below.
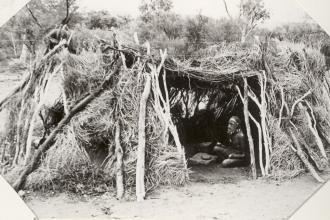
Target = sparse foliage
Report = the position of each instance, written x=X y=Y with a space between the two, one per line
x=151 y=8
x=196 y=30
x=36 y=19
x=252 y=13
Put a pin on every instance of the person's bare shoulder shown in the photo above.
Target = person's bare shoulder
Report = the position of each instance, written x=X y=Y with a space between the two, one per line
x=240 y=135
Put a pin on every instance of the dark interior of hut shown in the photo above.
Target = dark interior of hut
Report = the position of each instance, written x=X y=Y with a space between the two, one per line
x=201 y=111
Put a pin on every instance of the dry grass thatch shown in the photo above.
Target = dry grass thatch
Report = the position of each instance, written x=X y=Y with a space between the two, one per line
x=89 y=138
x=292 y=70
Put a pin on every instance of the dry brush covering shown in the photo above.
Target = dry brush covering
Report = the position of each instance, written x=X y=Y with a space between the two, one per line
x=297 y=95
x=83 y=152
x=298 y=98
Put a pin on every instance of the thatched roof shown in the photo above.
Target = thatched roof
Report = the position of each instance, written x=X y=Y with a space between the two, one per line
x=214 y=67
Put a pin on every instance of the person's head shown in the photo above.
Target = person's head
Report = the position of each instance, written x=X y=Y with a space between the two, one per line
x=233 y=125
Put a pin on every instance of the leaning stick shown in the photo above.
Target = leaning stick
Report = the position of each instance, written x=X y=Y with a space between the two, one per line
x=248 y=127
x=44 y=86
x=299 y=100
x=119 y=171
x=140 y=188
x=312 y=127
x=248 y=130
x=303 y=158
x=282 y=108
x=33 y=165
x=262 y=168
x=259 y=133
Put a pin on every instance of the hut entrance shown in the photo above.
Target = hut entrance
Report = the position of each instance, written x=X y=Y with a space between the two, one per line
x=201 y=113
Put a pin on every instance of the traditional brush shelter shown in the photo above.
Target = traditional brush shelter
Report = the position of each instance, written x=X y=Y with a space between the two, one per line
x=131 y=110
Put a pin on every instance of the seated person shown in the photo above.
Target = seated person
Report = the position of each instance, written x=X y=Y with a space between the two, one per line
x=236 y=154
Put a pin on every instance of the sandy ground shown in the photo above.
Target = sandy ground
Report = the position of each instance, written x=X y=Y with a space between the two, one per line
x=214 y=193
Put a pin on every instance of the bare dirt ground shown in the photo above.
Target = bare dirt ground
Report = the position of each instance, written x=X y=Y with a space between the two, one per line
x=214 y=193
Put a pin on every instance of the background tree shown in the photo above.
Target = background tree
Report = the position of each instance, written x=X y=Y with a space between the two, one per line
x=160 y=26
x=223 y=30
x=156 y=18
x=101 y=20
x=252 y=13
x=36 y=19
x=196 y=31
x=151 y=8
x=104 y=20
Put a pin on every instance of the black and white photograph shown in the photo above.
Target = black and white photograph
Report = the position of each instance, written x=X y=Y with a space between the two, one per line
x=164 y=109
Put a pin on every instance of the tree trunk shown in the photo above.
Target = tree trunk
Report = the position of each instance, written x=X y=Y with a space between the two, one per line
x=140 y=165
x=108 y=82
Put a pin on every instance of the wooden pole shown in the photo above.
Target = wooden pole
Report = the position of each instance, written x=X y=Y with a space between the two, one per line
x=247 y=115
x=248 y=130
x=282 y=107
x=65 y=100
x=263 y=114
x=119 y=155
x=140 y=188
x=261 y=163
